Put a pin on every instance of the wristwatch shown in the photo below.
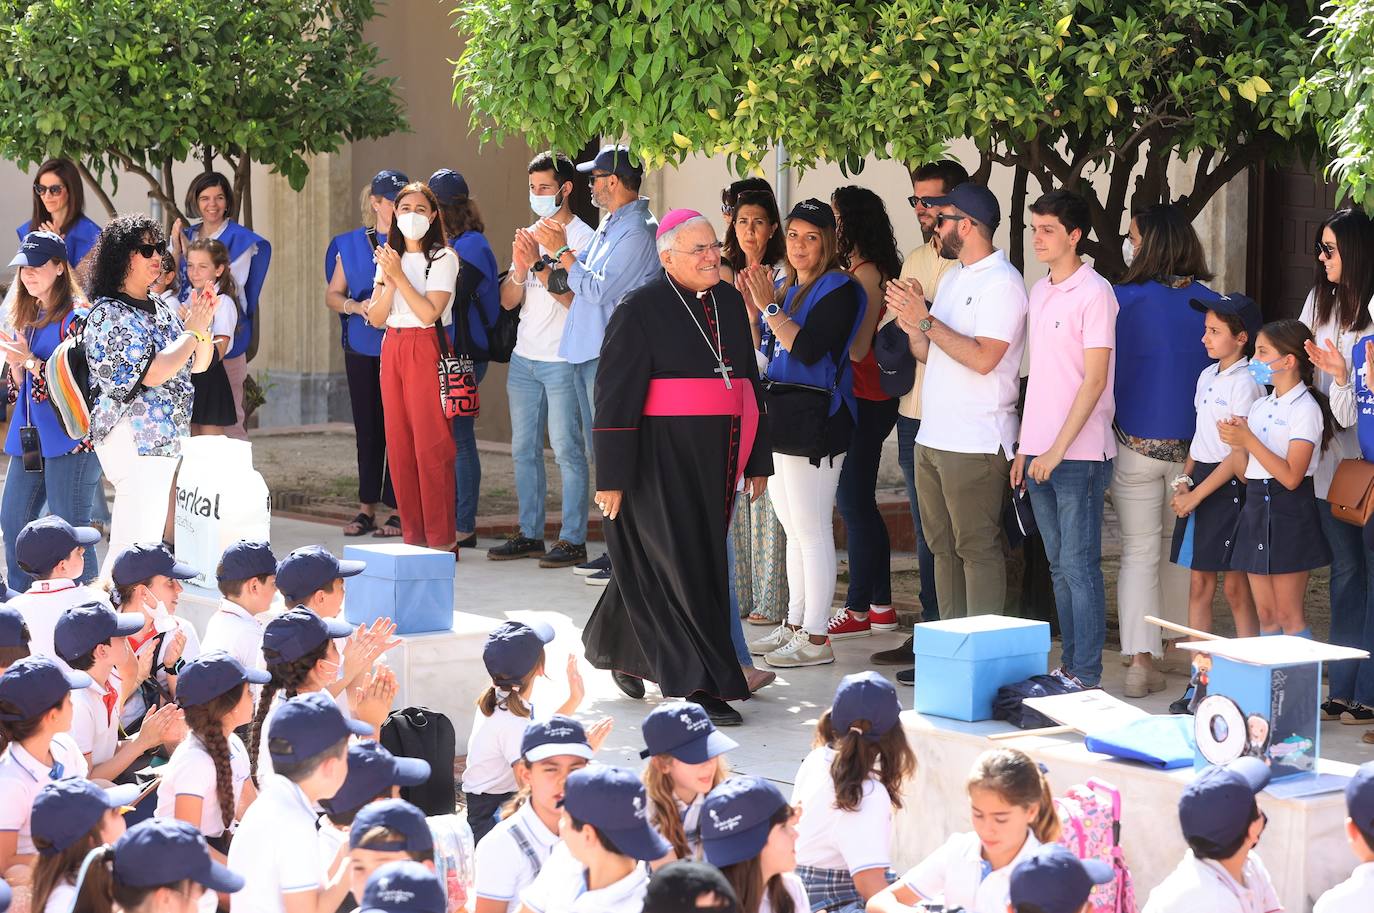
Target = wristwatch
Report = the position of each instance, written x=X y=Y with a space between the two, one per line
x=772 y=310
x=925 y=325
x=30 y=364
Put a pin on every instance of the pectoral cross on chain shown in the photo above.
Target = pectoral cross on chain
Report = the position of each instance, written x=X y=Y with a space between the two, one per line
x=724 y=371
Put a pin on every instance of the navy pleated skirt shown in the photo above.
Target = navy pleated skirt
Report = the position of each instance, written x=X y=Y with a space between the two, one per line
x=1203 y=538
x=1279 y=531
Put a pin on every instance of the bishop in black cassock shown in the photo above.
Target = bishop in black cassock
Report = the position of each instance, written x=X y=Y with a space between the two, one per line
x=679 y=425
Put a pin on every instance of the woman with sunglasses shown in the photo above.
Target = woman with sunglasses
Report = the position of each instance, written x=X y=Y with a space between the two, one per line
x=59 y=206
x=1338 y=311
x=141 y=357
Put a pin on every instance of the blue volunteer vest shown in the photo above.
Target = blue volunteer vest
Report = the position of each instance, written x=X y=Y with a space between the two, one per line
x=354 y=248
x=52 y=437
x=80 y=239
x=239 y=239
x=784 y=368
x=484 y=307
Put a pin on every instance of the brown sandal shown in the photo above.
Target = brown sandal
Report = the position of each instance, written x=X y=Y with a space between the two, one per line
x=360 y=525
x=754 y=618
x=388 y=530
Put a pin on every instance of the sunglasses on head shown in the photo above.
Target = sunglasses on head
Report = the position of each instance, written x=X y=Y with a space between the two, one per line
x=148 y=251
x=49 y=190
x=1321 y=248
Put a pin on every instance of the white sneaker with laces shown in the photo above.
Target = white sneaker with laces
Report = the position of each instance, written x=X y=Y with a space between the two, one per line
x=770 y=641
x=800 y=651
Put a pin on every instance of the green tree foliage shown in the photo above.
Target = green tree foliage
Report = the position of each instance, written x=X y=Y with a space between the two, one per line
x=137 y=86
x=1340 y=96
x=1064 y=89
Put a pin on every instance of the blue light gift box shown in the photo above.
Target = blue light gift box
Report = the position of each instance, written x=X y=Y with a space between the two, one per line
x=412 y=586
x=961 y=662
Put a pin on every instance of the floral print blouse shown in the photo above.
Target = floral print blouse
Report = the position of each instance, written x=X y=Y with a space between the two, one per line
x=122 y=337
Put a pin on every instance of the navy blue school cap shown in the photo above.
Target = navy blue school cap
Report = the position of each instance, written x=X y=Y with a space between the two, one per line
x=138 y=563
x=1359 y=798
x=813 y=212
x=388 y=183
x=372 y=770
x=244 y=559
x=615 y=160
x=45 y=542
x=312 y=568
x=405 y=886
x=296 y=632
x=896 y=364
x=13 y=630
x=1242 y=306
x=82 y=628
x=974 y=201
x=306 y=725
x=38 y=247
x=558 y=735
x=1055 y=880
x=736 y=819
x=448 y=185
x=164 y=851
x=612 y=800
x=398 y=816
x=214 y=673
x=865 y=696
x=684 y=730
x=513 y=650
x=35 y=684
x=66 y=810
x=1216 y=805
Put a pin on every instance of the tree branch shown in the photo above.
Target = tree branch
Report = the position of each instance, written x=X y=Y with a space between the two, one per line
x=1207 y=185
x=95 y=186
x=135 y=168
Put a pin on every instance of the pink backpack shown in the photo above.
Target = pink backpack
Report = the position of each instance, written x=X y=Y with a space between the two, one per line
x=1090 y=826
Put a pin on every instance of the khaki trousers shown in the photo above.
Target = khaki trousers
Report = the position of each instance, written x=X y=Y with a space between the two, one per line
x=961 y=497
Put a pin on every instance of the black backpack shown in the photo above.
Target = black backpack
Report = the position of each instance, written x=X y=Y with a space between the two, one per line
x=418 y=732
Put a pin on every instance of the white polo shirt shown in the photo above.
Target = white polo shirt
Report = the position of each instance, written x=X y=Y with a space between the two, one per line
x=22 y=776
x=95 y=727
x=504 y=868
x=562 y=888
x=237 y=632
x=1354 y=895
x=1221 y=395
x=830 y=838
x=493 y=746
x=191 y=772
x=961 y=410
x=958 y=873
x=44 y=602
x=795 y=889
x=275 y=848
x=1277 y=420
x=1202 y=884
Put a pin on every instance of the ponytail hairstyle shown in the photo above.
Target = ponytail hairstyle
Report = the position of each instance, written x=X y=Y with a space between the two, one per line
x=219 y=257
x=512 y=699
x=95 y=883
x=1018 y=780
x=56 y=866
x=287 y=677
x=13 y=730
x=658 y=787
x=747 y=878
x=1288 y=337
x=889 y=758
x=207 y=722
x=122 y=595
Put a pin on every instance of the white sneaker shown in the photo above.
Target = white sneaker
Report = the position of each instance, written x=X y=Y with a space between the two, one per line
x=770 y=641
x=800 y=651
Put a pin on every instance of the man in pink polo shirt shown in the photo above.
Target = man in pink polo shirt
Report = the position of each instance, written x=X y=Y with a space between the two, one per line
x=1066 y=447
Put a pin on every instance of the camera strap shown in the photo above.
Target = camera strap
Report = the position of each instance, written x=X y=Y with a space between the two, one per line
x=27 y=392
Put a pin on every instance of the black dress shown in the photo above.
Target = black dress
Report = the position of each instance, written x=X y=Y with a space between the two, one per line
x=214 y=402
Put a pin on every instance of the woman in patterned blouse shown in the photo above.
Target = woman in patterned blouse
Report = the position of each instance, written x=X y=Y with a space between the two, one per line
x=141 y=357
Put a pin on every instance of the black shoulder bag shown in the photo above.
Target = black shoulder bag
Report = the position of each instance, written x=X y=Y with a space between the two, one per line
x=797 y=413
x=502 y=334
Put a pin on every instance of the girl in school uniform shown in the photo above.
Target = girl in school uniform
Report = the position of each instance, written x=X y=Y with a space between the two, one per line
x=847 y=788
x=207 y=273
x=1278 y=537
x=158 y=866
x=749 y=833
x=1013 y=814
x=71 y=817
x=206 y=781
x=686 y=761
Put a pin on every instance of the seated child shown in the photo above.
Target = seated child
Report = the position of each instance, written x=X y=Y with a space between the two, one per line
x=53 y=552
x=1356 y=891
x=1054 y=880
x=686 y=886
x=404 y=887
x=749 y=834
x=247 y=575
x=157 y=865
x=147 y=579
x=686 y=761
x=388 y=830
x=71 y=817
x=14 y=637
x=373 y=774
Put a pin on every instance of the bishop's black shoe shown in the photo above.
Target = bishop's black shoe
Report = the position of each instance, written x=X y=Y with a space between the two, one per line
x=632 y=687
x=721 y=713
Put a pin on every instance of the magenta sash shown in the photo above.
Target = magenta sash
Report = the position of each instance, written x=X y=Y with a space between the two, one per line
x=670 y=396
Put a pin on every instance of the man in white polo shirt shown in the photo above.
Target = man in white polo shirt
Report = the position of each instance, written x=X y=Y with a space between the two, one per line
x=971 y=341
x=53 y=552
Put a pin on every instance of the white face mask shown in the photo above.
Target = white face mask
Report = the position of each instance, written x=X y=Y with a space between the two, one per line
x=1127 y=250
x=546 y=206
x=413 y=225
x=163 y=621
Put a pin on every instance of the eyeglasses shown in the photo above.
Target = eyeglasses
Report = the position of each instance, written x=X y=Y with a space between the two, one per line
x=950 y=217
x=148 y=251
x=1321 y=248
x=50 y=190
x=726 y=209
x=919 y=202
x=598 y=175
x=701 y=249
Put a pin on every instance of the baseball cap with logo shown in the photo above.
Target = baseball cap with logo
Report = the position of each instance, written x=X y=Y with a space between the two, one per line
x=615 y=160
x=403 y=887
x=38 y=247
x=612 y=800
x=557 y=736
x=813 y=212
x=397 y=816
x=736 y=819
x=388 y=183
x=684 y=730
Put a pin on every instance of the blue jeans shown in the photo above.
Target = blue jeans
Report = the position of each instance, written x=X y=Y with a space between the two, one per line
x=1352 y=607
x=543 y=392
x=467 y=466
x=736 y=626
x=925 y=559
x=1068 y=511
x=67 y=483
x=584 y=378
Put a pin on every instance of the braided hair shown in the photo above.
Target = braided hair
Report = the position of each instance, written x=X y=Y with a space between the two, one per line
x=207 y=722
x=287 y=677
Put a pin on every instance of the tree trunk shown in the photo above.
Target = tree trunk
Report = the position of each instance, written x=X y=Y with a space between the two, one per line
x=99 y=191
x=1017 y=250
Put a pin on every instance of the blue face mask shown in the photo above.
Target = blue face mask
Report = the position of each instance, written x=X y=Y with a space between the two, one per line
x=1262 y=371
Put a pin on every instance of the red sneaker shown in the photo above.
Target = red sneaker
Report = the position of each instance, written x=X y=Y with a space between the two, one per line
x=843 y=625
x=882 y=619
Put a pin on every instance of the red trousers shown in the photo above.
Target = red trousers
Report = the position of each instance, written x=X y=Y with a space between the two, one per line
x=419 y=439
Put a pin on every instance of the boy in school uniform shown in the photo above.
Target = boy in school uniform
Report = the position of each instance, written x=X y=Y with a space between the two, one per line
x=601 y=866
x=1356 y=893
x=52 y=551
x=1054 y=880
x=247 y=576
x=14 y=637
x=404 y=887
x=275 y=846
x=94 y=639
x=312 y=577
x=386 y=831
x=373 y=774
x=1221 y=821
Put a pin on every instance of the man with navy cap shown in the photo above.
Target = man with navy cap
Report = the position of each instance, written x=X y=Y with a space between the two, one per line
x=1222 y=822
x=1356 y=892
x=970 y=340
x=51 y=551
x=1054 y=880
x=349 y=271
